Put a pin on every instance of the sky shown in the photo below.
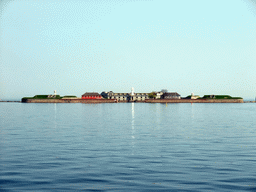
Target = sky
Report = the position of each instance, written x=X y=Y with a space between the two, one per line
x=78 y=46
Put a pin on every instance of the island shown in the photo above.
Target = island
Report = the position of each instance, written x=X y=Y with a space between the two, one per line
x=162 y=96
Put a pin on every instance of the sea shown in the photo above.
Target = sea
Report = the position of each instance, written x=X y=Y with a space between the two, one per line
x=128 y=147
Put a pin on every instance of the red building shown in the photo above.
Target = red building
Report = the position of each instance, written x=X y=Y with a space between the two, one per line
x=91 y=95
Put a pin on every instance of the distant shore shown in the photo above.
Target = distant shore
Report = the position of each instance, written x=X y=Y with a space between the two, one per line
x=11 y=101
x=113 y=101
x=146 y=101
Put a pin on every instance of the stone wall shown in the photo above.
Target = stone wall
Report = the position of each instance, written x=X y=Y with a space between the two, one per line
x=68 y=100
x=194 y=101
x=146 y=101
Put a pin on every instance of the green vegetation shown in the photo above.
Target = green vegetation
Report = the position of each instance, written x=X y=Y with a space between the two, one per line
x=237 y=98
x=220 y=97
x=47 y=97
x=44 y=97
x=152 y=95
x=40 y=97
x=70 y=96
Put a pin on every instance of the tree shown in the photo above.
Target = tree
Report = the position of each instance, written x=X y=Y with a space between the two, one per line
x=152 y=95
x=164 y=90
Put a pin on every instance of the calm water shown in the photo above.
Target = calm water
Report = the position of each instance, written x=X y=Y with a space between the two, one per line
x=127 y=147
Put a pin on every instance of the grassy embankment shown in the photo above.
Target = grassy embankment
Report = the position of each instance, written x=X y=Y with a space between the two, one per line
x=49 y=97
x=219 y=97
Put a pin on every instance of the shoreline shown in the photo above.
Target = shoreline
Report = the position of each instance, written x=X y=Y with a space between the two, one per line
x=144 y=101
x=194 y=101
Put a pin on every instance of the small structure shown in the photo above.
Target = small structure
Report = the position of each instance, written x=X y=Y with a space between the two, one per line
x=159 y=95
x=192 y=96
x=53 y=96
x=173 y=95
x=91 y=95
x=132 y=93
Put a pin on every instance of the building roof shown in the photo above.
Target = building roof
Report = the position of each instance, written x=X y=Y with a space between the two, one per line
x=171 y=94
x=91 y=94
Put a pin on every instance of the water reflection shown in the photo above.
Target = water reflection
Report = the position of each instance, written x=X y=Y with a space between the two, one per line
x=192 y=111
x=55 y=115
x=132 y=115
x=215 y=151
x=133 y=130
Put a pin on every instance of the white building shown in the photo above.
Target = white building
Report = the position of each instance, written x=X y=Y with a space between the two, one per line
x=125 y=96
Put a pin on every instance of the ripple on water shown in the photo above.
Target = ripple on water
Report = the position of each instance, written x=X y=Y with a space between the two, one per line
x=132 y=148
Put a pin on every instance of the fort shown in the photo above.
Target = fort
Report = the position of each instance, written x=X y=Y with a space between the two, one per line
x=68 y=101
x=194 y=101
x=162 y=96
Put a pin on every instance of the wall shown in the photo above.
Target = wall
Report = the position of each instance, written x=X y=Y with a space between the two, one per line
x=146 y=101
x=194 y=101
x=68 y=100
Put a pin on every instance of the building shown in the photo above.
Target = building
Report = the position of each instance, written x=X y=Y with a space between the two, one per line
x=125 y=97
x=159 y=95
x=192 y=96
x=173 y=95
x=139 y=97
x=117 y=96
x=91 y=95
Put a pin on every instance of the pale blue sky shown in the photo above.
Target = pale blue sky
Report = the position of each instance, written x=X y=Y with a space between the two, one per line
x=78 y=46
